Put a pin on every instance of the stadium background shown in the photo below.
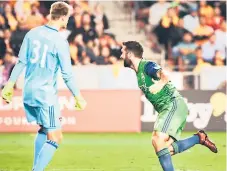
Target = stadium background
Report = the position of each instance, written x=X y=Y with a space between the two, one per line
x=187 y=38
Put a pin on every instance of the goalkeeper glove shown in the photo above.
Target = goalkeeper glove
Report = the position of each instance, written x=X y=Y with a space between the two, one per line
x=80 y=102
x=7 y=92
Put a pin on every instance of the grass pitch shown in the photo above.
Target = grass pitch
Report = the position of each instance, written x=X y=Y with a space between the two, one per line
x=108 y=152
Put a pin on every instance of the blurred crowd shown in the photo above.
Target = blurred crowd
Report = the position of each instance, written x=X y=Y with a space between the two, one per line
x=193 y=33
x=87 y=32
x=89 y=39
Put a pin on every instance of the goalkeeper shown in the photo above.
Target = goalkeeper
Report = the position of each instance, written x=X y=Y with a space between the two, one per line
x=42 y=52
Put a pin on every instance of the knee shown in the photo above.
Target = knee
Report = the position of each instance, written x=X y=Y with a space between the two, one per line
x=55 y=136
x=157 y=140
x=59 y=138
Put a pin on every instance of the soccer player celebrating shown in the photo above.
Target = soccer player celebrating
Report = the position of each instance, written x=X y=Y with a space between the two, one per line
x=42 y=52
x=168 y=102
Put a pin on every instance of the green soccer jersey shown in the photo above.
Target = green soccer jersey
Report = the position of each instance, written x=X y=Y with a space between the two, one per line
x=165 y=96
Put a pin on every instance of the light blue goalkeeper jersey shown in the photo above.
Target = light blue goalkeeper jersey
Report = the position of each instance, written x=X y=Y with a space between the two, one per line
x=43 y=52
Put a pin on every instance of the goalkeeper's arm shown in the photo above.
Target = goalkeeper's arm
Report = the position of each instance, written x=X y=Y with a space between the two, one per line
x=66 y=68
x=67 y=74
x=7 y=91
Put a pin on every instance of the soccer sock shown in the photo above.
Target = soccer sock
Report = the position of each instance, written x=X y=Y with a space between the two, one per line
x=165 y=160
x=45 y=155
x=41 y=138
x=182 y=145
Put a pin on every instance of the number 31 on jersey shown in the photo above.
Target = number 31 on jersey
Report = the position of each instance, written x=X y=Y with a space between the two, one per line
x=37 y=51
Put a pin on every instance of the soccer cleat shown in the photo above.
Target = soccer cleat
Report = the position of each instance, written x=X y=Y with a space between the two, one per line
x=204 y=140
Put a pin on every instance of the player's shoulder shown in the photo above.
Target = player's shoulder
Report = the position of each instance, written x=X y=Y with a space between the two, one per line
x=61 y=41
x=151 y=68
x=33 y=32
x=149 y=63
x=61 y=38
x=47 y=33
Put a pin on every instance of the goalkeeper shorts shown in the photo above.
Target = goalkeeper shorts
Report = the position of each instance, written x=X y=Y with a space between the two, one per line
x=47 y=117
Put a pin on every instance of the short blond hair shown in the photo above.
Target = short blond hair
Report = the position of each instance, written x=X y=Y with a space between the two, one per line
x=59 y=9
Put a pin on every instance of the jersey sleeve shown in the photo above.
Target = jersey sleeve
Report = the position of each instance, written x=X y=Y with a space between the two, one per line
x=63 y=55
x=151 y=69
x=23 y=53
x=18 y=68
x=21 y=64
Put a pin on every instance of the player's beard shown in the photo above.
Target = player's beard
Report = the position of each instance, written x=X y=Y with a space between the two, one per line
x=127 y=63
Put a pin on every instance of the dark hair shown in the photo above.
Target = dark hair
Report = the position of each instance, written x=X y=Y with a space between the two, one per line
x=76 y=5
x=187 y=32
x=85 y=13
x=198 y=48
x=134 y=47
